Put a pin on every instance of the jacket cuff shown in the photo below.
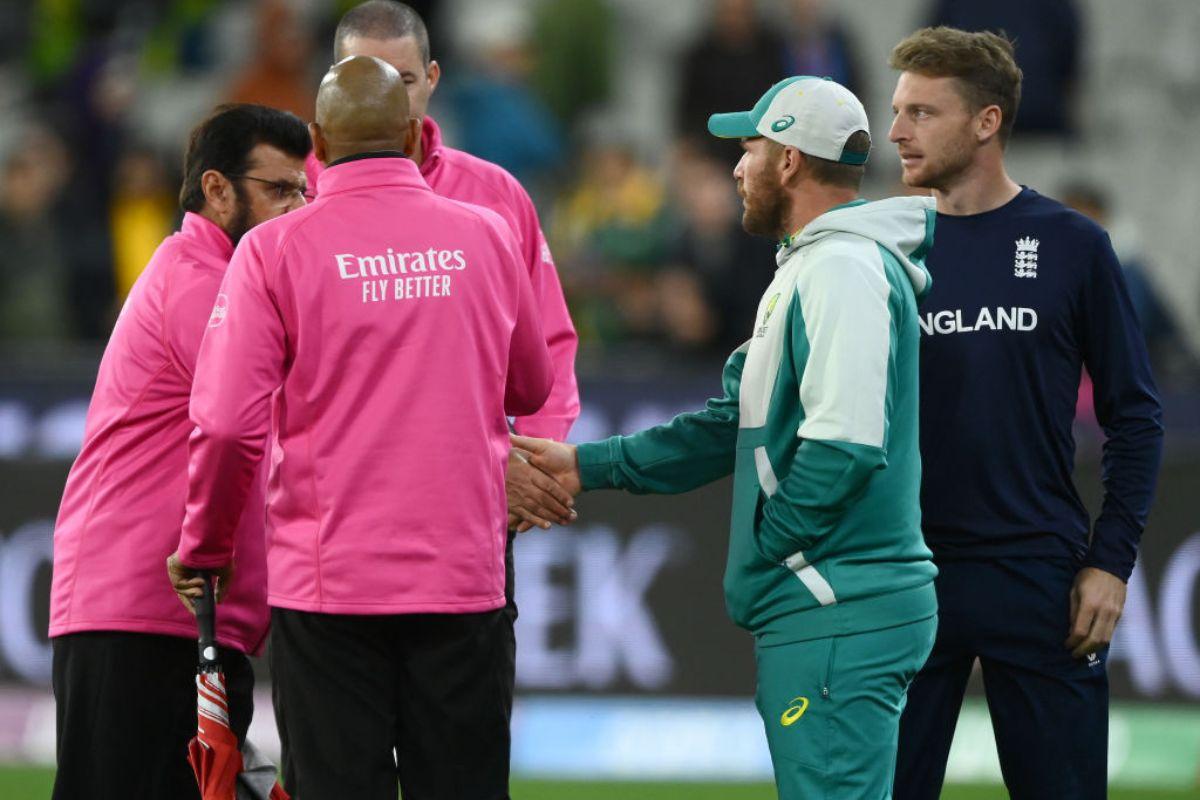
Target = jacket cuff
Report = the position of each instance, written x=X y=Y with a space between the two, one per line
x=1113 y=550
x=200 y=555
x=596 y=461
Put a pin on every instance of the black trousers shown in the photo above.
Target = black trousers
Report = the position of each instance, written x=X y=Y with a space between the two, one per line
x=1049 y=710
x=126 y=708
x=368 y=706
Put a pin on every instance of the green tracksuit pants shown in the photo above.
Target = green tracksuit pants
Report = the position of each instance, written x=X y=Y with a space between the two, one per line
x=832 y=709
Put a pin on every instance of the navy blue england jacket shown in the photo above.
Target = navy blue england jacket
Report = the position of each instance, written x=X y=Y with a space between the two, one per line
x=1024 y=297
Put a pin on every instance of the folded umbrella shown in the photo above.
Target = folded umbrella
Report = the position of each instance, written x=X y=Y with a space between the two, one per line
x=214 y=753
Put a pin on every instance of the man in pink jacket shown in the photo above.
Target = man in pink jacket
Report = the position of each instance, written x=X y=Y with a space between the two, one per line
x=395 y=33
x=124 y=648
x=391 y=331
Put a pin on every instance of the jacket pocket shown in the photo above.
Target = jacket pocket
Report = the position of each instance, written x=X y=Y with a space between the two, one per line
x=816 y=583
x=747 y=573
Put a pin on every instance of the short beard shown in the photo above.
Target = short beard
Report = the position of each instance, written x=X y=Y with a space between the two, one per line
x=241 y=223
x=953 y=164
x=771 y=209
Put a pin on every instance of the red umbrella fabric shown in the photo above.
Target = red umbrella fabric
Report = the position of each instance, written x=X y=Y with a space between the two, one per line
x=214 y=753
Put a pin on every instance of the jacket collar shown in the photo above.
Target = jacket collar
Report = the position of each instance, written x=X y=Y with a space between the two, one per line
x=207 y=234
x=347 y=175
x=371 y=154
x=432 y=149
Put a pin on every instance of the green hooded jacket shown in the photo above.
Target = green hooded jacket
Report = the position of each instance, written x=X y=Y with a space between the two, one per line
x=818 y=425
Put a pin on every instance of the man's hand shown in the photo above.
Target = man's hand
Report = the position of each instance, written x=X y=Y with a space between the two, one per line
x=1097 y=599
x=556 y=459
x=189 y=585
x=534 y=498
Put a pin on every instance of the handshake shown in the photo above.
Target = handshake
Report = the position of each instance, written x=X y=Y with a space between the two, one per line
x=542 y=481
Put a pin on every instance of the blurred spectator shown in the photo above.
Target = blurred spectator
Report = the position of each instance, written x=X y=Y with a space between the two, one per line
x=819 y=45
x=574 y=52
x=183 y=39
x=34 y=274
x=55 y=34
x=96 y=102
x=1048 y=39
x=279 y=75
x=519 y=133
x=142 y=213
x=609 y=235
x=735 y=61
x=1168 y=352
x=727 y=269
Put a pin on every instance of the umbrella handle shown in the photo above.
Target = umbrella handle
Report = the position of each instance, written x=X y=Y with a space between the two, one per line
x=206 y=619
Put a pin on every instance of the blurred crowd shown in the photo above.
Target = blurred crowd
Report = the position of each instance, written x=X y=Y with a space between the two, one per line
x=97 y=97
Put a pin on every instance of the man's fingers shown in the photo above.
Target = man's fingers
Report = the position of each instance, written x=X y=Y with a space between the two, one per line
x=187 y=603
x=1084 y=619
x=1100 y=623
x=547 y=484
x=543 y=463
x=546 y=504
x=532 y=518
x=546 y=512
x=1088 y=645
x=1092 y=642
x=1102 y=631
x=224 y=578
x=527 y=443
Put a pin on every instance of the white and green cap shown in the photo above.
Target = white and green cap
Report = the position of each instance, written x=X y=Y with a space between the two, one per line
x=814 y=115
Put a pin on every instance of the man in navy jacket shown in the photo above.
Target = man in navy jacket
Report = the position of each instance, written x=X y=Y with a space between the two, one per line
x=1026 y=293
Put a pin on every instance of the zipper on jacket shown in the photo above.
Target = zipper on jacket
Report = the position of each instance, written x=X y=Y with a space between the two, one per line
x=829 y=668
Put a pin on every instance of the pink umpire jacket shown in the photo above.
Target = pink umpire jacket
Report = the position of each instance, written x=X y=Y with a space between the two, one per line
x=122 y=509
x=461 y=176
x=393 y=330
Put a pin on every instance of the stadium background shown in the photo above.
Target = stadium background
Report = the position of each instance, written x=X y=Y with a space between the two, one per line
x=628 y=668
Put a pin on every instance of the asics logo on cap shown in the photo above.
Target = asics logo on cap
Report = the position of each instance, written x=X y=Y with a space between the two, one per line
x=783 y=123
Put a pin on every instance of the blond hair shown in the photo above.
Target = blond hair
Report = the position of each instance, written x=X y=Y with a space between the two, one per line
x=982 y=63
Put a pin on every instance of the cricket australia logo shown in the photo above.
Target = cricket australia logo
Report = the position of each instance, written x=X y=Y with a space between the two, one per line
x=762 y=329
x=1026 y=262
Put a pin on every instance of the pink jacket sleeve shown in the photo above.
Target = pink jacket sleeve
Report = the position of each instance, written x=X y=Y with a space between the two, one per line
x=186 y=311
x=240 y=365
x=556 y=417
x=530 y=370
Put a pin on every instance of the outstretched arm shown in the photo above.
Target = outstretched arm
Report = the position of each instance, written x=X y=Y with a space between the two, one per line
x=689 y=451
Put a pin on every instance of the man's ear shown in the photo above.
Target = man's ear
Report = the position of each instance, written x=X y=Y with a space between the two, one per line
x=218 y=192
x=434 y=74
x=413 y=138
x=987 y=123
x=791 y=165
x=320 y=149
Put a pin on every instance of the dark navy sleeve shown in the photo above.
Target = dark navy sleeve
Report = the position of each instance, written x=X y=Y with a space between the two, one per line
x=1127 y=407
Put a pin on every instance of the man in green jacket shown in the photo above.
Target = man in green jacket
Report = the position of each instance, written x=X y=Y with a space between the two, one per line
x=818 y=424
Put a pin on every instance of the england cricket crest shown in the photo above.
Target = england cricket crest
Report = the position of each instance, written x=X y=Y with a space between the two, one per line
x=1025 y=263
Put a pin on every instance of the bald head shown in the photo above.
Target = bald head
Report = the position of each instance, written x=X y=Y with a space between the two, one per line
x=362 y=106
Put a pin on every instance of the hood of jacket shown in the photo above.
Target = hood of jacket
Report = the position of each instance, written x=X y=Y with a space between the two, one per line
x=901 y=225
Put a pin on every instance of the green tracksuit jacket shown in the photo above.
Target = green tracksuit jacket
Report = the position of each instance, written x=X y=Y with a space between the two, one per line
x=818 y=424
